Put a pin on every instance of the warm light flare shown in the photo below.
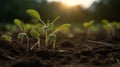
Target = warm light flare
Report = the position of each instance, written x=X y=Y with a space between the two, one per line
x=69 y=3
x=83 y=3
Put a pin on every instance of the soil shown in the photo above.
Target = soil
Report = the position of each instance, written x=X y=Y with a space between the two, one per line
x=76 y=51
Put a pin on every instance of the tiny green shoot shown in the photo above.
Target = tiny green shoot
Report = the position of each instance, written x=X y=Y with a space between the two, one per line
x=36 y=35
x=52 y=38
x=6 y=38
x=110 y=28
x=89 y=27
x=24 y=28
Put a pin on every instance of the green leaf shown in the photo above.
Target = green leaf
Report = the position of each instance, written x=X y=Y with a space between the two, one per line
x=105 y=26
x=45 y=28
x=64 y=27
x=6 y=38
x=86 y=25
x=34 y=20
x=34 y=34
x=18 y=22
x=51 y=26
x=114 y=24
x=52 y=37
x=33 y=13
x=91 y=22
x=8 y=27
x=21 y=35
x=105 y=21
x=27 y=27
x=118 y=26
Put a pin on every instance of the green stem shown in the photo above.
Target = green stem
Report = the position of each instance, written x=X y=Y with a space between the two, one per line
x=21 y=42
x=54 y=44
x=113 y=32
x=46 y=40
x=56 y=19
x=88 y=33
x=21 y=29
x=108 y=34
x=28 y=47
x=42 y=22
x=34 y=45
x=38 y=42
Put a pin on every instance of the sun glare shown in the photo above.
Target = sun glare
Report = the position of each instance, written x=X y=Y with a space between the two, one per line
x=69 y=2
x=83 y=3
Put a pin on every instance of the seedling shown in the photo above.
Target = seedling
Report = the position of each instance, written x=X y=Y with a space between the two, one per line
x=23 y=28
x=36 y=15
x=6 y=38
x=110 y=28
x=52 y=36
x=118 y=26
x=47 y=27
x=89 y=27
x=10 y=29
x=36 y=35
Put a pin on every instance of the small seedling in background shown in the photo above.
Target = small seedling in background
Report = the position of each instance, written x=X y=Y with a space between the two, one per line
x=110 y=28
x=24 y=28
x=36 y=35
x=6 y=38
x=118 y=26
x=10 y=29
x=89 y=26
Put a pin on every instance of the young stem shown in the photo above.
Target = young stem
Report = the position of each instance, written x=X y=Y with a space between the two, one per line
x=34 y=45
x=42 y=22
x=28 y=48
x=38 y=42
x=113 y=32
x=54 y=44
x=21 y=42
x=88 y=33
x=108 y=34
x=21 y=29
x=46 y=39
x=56 y=19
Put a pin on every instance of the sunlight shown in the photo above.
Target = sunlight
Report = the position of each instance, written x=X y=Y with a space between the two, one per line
x=69 y=3
x=83 y=3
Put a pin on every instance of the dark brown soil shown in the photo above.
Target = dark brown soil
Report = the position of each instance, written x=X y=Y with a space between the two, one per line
x=70 y=52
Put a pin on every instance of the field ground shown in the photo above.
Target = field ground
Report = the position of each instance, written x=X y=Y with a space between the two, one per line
x=75 y=51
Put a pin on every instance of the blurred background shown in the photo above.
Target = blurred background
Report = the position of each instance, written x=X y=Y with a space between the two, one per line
x=71 y=11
